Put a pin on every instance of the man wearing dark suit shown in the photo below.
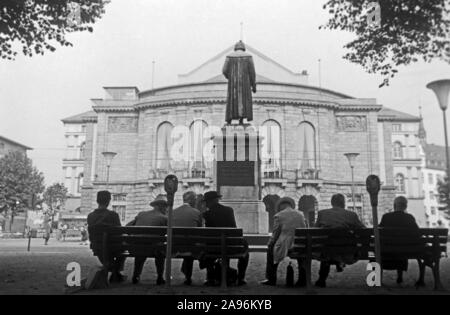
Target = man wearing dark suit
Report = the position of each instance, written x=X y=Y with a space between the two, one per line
x=155 y=217
x=187 y=216
x=398 y=219
x=335 y=218
x=217 y=215
x=221 y=216
x=102 y=217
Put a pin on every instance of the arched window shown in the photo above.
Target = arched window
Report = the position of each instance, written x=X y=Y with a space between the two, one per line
x=307 y=147
x=271 y=151
x=400 y=183
x=197 y=142
x=163 y=146
x=398 y=150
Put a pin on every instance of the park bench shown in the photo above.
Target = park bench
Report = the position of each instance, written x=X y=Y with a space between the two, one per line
x=425 y=245
x=199 y=243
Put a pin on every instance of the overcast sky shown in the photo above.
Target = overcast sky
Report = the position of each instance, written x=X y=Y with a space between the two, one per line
x=36 y=93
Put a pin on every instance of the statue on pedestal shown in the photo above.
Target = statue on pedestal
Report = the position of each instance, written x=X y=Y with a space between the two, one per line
x=239 y=69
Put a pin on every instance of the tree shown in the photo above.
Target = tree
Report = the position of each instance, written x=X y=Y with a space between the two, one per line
x=36 y=26
x=54 y=197
x=409 y=30
x=20 y=184
x=443 y=194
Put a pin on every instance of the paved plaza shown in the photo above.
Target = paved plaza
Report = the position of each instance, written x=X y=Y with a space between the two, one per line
x=43 y=271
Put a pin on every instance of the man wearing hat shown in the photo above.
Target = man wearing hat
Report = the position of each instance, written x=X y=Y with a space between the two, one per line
x=155 y=217
x=221 y=216
x=102 y=217
x=286 y=221
x=217 y=215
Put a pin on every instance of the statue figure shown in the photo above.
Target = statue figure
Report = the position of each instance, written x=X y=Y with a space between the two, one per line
x=239 y=69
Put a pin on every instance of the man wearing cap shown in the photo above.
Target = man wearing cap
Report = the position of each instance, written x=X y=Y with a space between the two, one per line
x=155 y=217
x=102 y=217
x=221 y=216
x=285 y=222
x=187 y=216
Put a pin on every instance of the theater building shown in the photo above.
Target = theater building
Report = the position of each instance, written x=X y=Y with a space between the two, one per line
x=310 y=130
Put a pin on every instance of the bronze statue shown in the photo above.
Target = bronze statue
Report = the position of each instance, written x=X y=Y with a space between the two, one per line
x=239 y=69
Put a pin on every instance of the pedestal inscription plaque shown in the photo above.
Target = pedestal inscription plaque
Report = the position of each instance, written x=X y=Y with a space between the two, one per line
x=235 y=173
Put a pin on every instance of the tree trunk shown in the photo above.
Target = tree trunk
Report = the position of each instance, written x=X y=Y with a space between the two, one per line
x=11 y=222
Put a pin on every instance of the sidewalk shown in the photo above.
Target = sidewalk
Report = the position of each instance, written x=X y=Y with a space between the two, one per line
x=43 y=271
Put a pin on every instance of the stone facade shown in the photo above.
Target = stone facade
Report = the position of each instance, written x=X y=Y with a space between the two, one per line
x=407 y=160
x=134 y=172
x=314 y=128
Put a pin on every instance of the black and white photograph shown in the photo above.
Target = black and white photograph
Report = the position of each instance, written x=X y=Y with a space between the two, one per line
x=224 y=153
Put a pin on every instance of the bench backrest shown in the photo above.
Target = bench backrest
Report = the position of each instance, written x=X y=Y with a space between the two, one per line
x=409 y=243
x=147 y=241
x=395 y=243
x=318 y=241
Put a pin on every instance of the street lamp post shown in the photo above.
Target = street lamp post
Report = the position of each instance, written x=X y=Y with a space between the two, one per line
x=109 y=156
x=351 y=157
x=442 y=90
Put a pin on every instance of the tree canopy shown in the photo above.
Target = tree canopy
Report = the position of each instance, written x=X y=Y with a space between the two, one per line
x=36 y=26
x=55 y=196
x=20 y=183
x=409 y=30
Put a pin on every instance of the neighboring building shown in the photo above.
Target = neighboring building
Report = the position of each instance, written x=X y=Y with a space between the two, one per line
x=73 y=162
x=8 y=145
x=407 y=160
x=433 y=172
x=311 y=129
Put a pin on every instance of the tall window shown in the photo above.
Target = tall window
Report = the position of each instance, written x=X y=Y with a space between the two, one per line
x=432 y=195
x=82 y=150
x=119 y=205
x=400 y=183
x=271 y=155
x=430 y=179
x=164 y=144
x=307 y=146
x=396 y=127
x=398 y=150
x=80 y=182
x=197 y=163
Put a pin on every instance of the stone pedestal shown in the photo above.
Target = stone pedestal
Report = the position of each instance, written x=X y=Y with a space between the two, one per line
x=237 y=174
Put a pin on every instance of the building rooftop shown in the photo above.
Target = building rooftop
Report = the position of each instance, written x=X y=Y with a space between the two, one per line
x=79 y=118
x=398 y=116
x=4 y=139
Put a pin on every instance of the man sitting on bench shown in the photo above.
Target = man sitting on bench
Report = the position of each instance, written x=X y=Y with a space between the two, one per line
x=399 y=219
x=286 y=221
x=102 y=217
x=219 y=216
x=187 y=216
x=155 y=217
x=335 y=218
